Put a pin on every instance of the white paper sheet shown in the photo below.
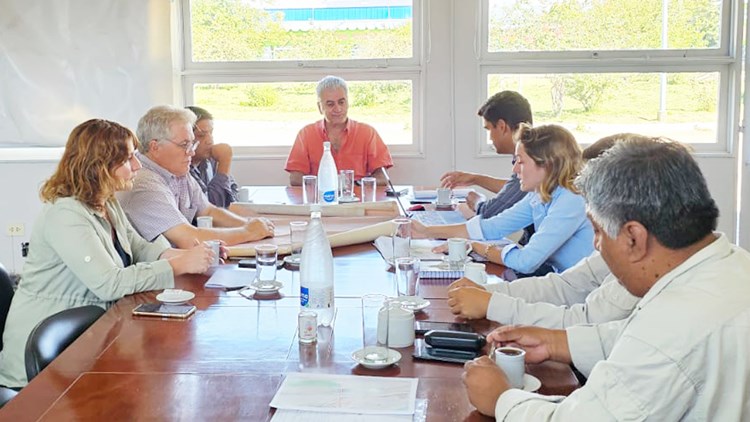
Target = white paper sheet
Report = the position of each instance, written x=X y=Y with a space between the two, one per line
x=347 y=394
x=230 y=278
x=282 y=415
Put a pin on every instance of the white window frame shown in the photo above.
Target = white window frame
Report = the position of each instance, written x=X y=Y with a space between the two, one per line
x=192 y=73
x=726 y=60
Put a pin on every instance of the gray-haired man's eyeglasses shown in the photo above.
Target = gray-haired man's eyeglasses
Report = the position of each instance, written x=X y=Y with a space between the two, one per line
x=187 y=146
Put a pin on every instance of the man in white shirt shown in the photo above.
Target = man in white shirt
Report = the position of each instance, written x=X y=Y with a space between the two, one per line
x=584 y=293
x=682 y=353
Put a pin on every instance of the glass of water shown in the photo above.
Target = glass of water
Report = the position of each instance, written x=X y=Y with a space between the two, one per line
x=309 y=189
x=265 y=267
x=401 y=238
x=369 y=188
x=407 y=275
x=297 y=230
x=375 y=328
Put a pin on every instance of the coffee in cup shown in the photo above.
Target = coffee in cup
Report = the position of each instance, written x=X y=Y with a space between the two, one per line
x=512 y=361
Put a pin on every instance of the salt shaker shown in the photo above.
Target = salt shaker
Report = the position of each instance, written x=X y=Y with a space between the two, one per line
x=308 y=326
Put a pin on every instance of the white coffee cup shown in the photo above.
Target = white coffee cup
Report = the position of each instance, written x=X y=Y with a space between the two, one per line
x=458 y=249
x=206 y=222
x=512 y=361
x=475 y=271
x=400 y=326
x=444 y=196
x=243 y=195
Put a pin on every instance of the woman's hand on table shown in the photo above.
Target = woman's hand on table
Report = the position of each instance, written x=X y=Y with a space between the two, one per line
x=195 y=260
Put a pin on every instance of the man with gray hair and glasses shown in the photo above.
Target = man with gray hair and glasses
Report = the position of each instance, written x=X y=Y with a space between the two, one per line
x=683 y=352
x=354 y=145
x=166 y=200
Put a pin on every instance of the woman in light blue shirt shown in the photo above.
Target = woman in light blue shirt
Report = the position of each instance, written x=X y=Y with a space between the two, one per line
x=83 y=251
x=547 y=161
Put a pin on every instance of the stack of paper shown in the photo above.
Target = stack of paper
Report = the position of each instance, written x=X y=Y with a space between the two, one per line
x=307 y=396
x=226 y=277
x=431 y=194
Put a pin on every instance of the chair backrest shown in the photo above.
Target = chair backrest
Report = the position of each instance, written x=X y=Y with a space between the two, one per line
x=6 y=294
x=54 y=334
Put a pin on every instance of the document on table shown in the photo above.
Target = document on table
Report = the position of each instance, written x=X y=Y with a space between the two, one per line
x=347 y=394
x=230 y=277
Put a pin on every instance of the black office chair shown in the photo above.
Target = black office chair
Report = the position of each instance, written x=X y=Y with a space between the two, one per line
x=54 y=334
x=6 y=294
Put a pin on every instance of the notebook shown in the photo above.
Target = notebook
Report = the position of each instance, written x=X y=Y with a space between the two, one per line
x=439 y=269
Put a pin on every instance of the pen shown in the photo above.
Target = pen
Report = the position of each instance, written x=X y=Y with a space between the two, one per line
x=491 y=354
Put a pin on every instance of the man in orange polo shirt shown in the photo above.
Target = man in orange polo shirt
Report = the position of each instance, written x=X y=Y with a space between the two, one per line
x=354 y=145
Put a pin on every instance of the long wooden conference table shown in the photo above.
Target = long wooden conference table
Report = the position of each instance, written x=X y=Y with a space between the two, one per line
x=227 y=361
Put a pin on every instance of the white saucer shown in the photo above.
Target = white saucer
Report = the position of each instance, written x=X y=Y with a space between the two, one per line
x=348 y=199
x=393 y=357
x=275 y=286
x=445 y=259
x=174 y=296
x=412 y=303
x=531 y=383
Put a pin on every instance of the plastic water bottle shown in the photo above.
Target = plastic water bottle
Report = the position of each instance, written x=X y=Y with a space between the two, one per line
x=316 y=272
x=328 y=177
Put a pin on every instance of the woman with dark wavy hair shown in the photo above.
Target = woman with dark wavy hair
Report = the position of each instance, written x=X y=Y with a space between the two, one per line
x=547 y=161
x=83 y=251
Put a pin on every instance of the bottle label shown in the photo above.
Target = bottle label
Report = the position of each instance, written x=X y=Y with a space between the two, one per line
x=329 y=196
x=304 y=296
x=316 y=298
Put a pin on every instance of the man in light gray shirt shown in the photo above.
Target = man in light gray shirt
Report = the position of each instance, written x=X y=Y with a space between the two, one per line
x=165 y=199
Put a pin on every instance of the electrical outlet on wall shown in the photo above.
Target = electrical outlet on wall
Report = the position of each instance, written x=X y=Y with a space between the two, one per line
x=15 y=230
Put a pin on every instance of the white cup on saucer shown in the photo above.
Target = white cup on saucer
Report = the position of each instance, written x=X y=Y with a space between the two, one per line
x=444 y=196
x=512 y=361
x=475 y=271
x=458 y=250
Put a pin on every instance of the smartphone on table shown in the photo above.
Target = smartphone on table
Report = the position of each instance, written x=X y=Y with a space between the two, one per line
x=164 y=310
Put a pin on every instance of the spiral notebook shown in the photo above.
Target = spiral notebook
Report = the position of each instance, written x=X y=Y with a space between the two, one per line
x=439 y=269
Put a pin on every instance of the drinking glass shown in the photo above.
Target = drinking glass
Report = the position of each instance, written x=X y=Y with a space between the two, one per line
x=407 y=274
x=265 y=267
x=401 y=237
x=216 y=248
x=375 y=328
x=346 y=184
x=297 y=230
x=369 y=185
x=309 y=189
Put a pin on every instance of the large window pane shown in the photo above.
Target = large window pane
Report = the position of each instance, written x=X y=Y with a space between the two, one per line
x=564 y=25
x=267 y=30
x=594 y=105
x=271 y=114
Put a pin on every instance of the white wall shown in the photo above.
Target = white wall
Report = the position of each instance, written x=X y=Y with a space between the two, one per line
x=451 y=85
